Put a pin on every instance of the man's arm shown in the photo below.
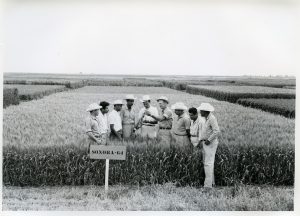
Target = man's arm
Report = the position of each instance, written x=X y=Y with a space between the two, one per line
x=112 y=128
x=88 y=130
x=139 y=119
x=215 y=129
x=187 y=126
x=122 y=114
x=188 y=132
x=200 y=129
x=92 y=136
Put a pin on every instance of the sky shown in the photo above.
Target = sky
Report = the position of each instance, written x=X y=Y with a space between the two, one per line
x=152 y=37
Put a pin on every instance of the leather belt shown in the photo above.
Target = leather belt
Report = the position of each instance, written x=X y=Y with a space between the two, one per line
x=150 y=122
x=180 y=134
x=162 y=128
x=128 y=123
x=151 y=125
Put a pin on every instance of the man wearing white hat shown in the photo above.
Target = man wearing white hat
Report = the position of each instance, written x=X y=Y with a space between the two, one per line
x=181 y=127
x=209 y=139
x=93 y=125
x=164 y=119
x=115 y=121
x=148 y=123
x=129 y=117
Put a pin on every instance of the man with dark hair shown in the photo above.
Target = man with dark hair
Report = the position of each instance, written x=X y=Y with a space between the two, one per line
x=103 y=118
x=197 y=123
x=129 y=117
x=115 y=121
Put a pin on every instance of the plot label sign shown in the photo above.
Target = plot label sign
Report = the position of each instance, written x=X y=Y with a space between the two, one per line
x=108 y=152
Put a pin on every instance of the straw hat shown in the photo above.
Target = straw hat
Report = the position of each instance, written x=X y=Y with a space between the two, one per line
x=179 y=106
x=93 y=106
x=145 y=98
x=130 y=97
x=117 y=102
x=206 y=107
x=163 y=98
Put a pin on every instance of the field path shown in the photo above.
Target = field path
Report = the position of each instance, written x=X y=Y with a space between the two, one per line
x=166 y=197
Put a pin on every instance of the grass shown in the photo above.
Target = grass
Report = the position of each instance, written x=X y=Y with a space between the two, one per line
x=165 y=197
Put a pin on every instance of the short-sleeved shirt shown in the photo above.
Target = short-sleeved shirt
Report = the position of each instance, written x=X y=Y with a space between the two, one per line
x=147 y=119
x=115 y=119
x=128 y=116
x=167 y=121
x=92 y=124
x=103 y=118
x=210 y=130
x=196 y=127
x=181 y=124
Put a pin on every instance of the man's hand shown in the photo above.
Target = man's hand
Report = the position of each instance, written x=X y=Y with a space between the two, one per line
x=206 y=142
x=98 y=142
x=147 y=113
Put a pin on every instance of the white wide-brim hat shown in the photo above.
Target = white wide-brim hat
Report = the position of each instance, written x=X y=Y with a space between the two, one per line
x=145 y=98
x=93 y=106
x=206 y=107
x=116 y=102
x=163 y=98
x=130 y=97
x=179 y=106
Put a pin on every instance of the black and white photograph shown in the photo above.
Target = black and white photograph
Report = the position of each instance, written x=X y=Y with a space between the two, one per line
x=150 y=105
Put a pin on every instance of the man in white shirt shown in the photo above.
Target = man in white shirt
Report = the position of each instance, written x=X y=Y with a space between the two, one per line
x=103 y=118
x=209 y=140
x=197 y=123
x=115 y=121
x=148 y=123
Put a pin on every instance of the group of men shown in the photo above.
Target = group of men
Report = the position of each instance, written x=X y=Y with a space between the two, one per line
x=184 y=128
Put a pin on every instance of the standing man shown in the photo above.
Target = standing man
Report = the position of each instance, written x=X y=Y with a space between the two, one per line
x=115 y=121
x=148 y=124
x=93 y=126
x=128 y=116
x=103 y=118
x=181 y=127
x=209 y=139
x=197 y=123
x=164 y=119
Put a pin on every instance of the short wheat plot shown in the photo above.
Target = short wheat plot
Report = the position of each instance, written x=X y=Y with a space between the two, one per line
x=44 y=143
x=30 y=92
x=285 y=107
x=233 y=93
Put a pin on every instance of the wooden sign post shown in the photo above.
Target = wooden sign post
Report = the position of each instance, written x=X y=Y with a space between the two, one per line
x=107 y=153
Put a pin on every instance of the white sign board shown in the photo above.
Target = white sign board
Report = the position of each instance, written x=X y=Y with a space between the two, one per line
x=108 y=152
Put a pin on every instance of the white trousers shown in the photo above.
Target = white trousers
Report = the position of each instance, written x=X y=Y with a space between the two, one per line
x=209 y=152
x=148 y=132
x=194 y=141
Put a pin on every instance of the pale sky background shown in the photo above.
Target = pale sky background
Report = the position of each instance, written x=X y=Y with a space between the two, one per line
x=152 y=37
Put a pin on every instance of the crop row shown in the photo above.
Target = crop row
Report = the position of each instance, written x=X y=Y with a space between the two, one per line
x=69 y=165
x=233 y=93
x=285 y=107
x=10 y=97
